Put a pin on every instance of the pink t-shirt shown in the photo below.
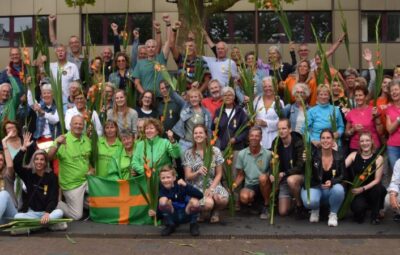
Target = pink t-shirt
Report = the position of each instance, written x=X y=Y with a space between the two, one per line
x=393 y=112
x=362 y=116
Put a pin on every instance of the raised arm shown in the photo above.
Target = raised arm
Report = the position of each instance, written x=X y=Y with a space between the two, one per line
x=157 y=28
x=117 y=42
x=7 y=155
x=52 y=33
x=165 y=48
x=135 y=48
x=172 y=41
x=335 y=46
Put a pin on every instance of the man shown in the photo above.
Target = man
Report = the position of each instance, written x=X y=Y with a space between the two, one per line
x=222 y=68
x=73 y=152
x=252 y=166
x=81 y=110
x=15 y=70
x=145 y=76
x=304 y=52
x=75 y=48
x=68 y=71
x=107 y=57
x=215 y=100
x=5 y=93
x=290 y=149
x=189 y=61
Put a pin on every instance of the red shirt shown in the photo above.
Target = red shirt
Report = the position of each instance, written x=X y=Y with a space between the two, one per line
x=212 y=105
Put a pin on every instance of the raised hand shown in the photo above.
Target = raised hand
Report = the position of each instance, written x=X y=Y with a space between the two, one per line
x=26 y=137
x=156 y=25
x=166 y=18
x=367 y=55
x=52 y=17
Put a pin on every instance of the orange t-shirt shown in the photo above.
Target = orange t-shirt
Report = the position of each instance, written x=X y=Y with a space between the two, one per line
x=312 y=85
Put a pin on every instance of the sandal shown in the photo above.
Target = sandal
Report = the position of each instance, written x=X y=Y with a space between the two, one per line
x=214 y=217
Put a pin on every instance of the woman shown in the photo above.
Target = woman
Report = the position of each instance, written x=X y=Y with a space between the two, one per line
x=372 y=193
x=147 y=105
x=393 y=123
x=295 y=112
x=279 y=69
x=327 y=171
x=120 y=163
x=125 y=116
x=320 y=117
x=258 y=69
x=215 y=195
x=158 y=151
x=7 y=196
x=305 y=76
x=41 y=184
x=121 y=77
x=107 y=146
x=96 y=67
x=107 y=103
x=191 y=114
x=232 y=119
x=267 y=113
x=363 y=118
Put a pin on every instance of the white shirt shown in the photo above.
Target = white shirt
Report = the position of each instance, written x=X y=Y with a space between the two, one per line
x=51 y=118
x=74 y=111
x=220 y=69
x=69 y=73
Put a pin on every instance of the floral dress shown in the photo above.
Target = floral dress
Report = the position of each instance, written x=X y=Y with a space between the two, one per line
x=196 y=161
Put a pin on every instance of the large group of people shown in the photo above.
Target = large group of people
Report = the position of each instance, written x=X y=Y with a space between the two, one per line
x=145 y=122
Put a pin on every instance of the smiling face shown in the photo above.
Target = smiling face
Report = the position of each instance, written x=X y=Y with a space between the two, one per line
x=167 y=179
x=255 y=137
x=366 y=143
x=273 y=56
x=360 y=98
x=194 y=98
x=106 y=54
x=300 y=93
x=77 y=125
x=222 y=50
x=74 y=44
x=229 y=98
x=5 y=92
x=215 y=90
x=15 y=55
x=395 y=92
x=267 y=87
x=385 y=85
x=127 y=141
x=11 y=129
x=199 y=135
x=110 y=130
x=164 y=90
x=120 y=99
x=336 y=88
x=80 y=102
x=326 y=140
x=323 y=96
x=303 y=68
x=303 y=51
x=283 y=129
x=121 y=63
x=150 y=131
x=47 y=97
x=147 y=99
x=39 y=162
x=151 y=46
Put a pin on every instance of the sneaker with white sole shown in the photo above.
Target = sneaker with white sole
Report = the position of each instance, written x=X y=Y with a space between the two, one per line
x=264 y=215
x=314 y=217
x=332 y=221
x=58 y=226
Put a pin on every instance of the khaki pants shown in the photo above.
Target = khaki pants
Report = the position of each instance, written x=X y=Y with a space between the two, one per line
x=74 y=200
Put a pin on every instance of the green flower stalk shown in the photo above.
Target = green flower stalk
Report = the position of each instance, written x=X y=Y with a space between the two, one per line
x=343 y=23
x=56 y=87
x=29 y=225
x=275 y=184
x=283 y=19
x=307 y=152
x=379 y=65
x=325 y=63
x=247 y=80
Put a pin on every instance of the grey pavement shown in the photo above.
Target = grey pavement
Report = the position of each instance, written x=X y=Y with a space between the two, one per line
x=241 y=226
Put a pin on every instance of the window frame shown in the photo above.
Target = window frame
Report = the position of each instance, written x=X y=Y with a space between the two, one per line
x=384 y=26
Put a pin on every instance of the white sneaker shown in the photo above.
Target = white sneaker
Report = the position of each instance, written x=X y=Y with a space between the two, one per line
x=58 y=226
x=332 y=222
x=314 y=217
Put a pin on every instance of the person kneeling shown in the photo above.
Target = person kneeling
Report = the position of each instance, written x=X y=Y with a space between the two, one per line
x=42 y=186
x=178 y=202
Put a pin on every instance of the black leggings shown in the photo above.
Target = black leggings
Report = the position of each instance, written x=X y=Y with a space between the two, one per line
x=370 y=199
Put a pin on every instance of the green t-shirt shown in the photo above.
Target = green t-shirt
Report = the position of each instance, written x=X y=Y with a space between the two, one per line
x=144 y=71
x=253 y=166
x=74 y=161
x=105 y=153
x=120 y=166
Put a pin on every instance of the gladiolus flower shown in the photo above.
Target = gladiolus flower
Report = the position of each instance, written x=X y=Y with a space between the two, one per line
x=213 y=141
x=378 y=54
x=229 y=162
x=148 y=173
x=157 y=67
x=162 y=118
x=21 y=75
x=362 y=177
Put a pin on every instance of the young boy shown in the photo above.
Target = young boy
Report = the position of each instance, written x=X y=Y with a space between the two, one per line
x=178 y=202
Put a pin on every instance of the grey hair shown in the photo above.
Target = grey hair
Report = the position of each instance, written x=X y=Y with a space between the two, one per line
x=275 y=48
x=5 y=84
x=46 y=86
x=267 y=78
x=227 y=89
x=212 y=81
x=303 y=86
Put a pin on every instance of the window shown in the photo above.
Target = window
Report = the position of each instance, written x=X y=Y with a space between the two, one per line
x=232 y=27
x=100 y=26
x=239 y=27
x=389 y=28
x=271 y=30
x=12 y=29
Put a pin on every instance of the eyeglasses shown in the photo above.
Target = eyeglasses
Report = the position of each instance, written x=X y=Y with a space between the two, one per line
x=79 y=98
x=121 y=60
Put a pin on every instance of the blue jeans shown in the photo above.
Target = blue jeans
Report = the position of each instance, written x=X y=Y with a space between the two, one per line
x=7 y=208
x=393 y=153
x=179 y=216
x=30 y=214
x=333 y=197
